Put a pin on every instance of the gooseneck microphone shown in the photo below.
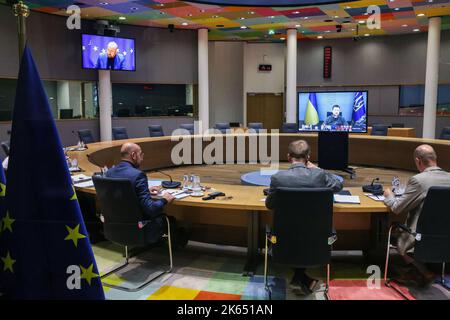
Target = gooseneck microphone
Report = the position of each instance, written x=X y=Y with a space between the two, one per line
x=376 y=189
x=168 y=184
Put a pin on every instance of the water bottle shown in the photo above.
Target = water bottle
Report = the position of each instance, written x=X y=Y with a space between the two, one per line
x=185 y=184
x=191 y=181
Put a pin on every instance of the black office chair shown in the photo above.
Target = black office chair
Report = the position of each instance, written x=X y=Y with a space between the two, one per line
x=5 y=147
x=85 y=135
x=188 y=126
x=397 y=125
x=445 y=133
x=222 y=127
x=289 y=128
x=119 y=133
x=302 y=229
x=255 y=126
x=432 y=234
x=155 y=130
x=380 y=130
x=124 y=222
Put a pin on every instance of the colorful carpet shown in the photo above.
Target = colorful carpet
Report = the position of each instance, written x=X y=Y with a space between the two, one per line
x=215 y=273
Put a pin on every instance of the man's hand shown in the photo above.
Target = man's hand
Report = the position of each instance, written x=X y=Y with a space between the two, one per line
x=168 y=197
x=310 y=165
x=388 y=193
x=155 y=190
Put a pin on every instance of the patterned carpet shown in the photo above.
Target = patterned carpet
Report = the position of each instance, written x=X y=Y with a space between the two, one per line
x=209 y=272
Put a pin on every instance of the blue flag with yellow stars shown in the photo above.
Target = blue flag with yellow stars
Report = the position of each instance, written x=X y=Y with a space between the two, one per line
x=44 y=246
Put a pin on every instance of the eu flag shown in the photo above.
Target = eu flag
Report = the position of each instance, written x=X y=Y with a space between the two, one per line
x=359 y=110
x=44 y=246
x=312 y=115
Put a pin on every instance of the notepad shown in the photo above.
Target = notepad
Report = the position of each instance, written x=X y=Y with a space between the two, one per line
x=346 y=199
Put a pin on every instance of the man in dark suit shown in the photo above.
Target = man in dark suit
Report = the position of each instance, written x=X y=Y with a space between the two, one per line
x=302 y=174
x=111 y=59
x=132 y=158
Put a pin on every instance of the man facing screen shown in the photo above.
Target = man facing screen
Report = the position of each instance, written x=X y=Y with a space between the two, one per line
x=335 y=118
x=111 y=59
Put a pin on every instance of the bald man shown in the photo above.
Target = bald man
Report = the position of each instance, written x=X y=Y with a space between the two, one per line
x=111 y=59
x=132 y=158
x=412 y=200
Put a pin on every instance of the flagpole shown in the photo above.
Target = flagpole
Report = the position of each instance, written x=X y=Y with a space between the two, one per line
x=21 y=11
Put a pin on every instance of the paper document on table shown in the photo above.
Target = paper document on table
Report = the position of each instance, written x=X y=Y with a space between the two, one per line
x=80 y=178
x=376 y=198
x=346 y=199
x=154 y=183
x=85 y=184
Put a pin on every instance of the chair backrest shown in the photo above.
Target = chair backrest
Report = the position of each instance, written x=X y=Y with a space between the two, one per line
x=445 y=133
x=85 y=135
x=66 y=113
x=257 y=126
x=434 y=227
x=379 y=130
x=155 y=130
x=121 y=210
x=289 y=128
x=302 y=223
x=222 y=126
x=119 y=133
x=188 y=126
x=397 y=125
x=5 y=147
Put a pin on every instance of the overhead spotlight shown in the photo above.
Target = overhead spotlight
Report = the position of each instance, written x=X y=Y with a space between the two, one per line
x=338 y=28
x=171 y=27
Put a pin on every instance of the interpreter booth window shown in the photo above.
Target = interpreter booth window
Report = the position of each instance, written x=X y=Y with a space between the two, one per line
x=67 y=99
x=152 y=100
x=412 y=99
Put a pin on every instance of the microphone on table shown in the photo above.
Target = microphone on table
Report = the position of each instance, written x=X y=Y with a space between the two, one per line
x=168 y=184
x=376 y=189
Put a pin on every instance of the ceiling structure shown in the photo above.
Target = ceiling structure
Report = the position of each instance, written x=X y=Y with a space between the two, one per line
x=337 y=19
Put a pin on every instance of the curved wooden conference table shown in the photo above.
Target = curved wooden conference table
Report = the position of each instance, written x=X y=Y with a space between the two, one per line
x=240 y=221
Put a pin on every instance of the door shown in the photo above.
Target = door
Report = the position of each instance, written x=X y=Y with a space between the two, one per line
x=266 y=108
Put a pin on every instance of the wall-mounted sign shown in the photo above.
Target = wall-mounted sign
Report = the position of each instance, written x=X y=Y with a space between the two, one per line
x=327 y=57
x=265 y=67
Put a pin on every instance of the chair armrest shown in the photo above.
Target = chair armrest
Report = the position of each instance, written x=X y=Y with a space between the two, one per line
x=398 y=225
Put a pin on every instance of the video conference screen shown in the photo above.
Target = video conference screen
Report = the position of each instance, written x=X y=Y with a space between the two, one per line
x=108 y=53
x=332 y=111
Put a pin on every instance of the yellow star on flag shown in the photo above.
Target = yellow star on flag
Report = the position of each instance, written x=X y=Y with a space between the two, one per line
x=8 y=263
x=7 y=222
x=74 y=234
x=88 y=274
x=2 y=190
x=74 y=197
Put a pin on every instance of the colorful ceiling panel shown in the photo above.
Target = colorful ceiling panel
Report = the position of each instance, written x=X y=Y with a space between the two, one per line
x=336 y=19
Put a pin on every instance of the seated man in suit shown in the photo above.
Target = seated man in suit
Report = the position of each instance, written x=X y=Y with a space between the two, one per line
x=335 y=119
x=111 y=59
x=302 y=174
x=132 y=158
x=411 y=202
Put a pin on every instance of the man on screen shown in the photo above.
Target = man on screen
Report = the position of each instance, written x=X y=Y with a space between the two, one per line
x=111 y=59
x=335 y=119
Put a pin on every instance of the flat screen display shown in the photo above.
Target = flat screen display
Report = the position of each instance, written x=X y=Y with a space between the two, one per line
x=108 y=53
x=332 y=111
